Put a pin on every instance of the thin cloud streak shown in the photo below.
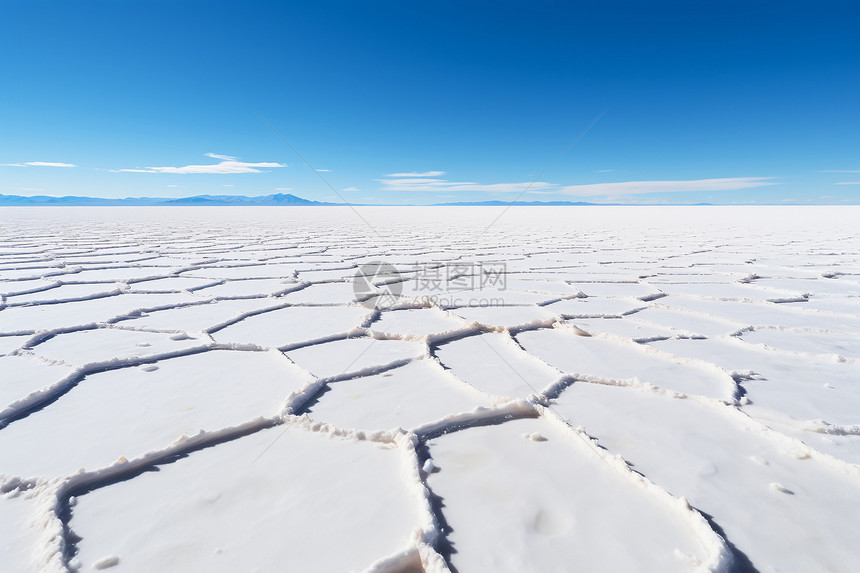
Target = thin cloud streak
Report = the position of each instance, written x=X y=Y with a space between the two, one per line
x=418 y=174
x=227 y=166
x=625 y=188
x=434 y=185
x=222 y=157
x=618 y=189
x=38 y=164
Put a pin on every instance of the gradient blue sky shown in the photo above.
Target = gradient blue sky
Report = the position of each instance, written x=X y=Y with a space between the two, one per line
x=722 y=102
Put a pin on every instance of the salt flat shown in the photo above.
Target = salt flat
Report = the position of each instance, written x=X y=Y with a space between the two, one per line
x=566 y=389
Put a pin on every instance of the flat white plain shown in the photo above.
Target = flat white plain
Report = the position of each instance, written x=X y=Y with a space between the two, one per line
x=647 y=389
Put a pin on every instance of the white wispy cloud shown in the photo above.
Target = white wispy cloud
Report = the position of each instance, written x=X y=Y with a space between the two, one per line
x=848 y=183
x=436 y=185
x=840 y=171
x=353 y=188
x=323 y=170
x=619 y=189
x=227 y=165
x=283 y=188
x=624 y=188
x=421 y=174
x=38 y=164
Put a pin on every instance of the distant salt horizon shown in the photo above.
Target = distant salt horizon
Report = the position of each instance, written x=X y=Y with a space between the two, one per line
x=290 y=200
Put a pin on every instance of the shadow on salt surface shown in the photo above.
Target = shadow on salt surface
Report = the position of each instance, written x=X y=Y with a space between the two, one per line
x=131 y=411
x=351 y=355
x=495 y=364
x=294 y=325
x=524 y=496
x=112 y=345
x=406 y=397
x=731 y=468
x=305 y=505
x=622 y=360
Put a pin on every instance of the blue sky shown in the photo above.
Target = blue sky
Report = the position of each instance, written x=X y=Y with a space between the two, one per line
x=423 y=102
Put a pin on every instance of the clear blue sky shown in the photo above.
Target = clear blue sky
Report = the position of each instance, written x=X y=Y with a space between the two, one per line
x=723 y=102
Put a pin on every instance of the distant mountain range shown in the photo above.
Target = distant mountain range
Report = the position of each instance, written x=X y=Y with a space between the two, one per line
x=199 y=200
x=278 y=199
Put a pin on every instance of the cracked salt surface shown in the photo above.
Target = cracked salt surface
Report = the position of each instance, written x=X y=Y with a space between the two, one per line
x=724 y=463
x=204 y=392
